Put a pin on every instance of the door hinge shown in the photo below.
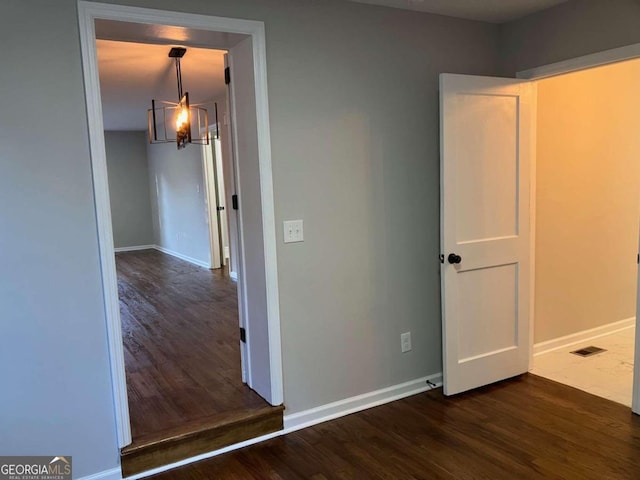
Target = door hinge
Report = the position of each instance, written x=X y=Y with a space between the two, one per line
x=638 y=259
x=227 y=76
x=243 y=335
x=234 y=201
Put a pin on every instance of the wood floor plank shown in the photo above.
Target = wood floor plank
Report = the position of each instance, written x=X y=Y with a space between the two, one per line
x=525 y=428
x=181 y=342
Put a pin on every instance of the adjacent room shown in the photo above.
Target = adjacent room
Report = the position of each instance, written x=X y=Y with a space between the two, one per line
x=176 y=276
x=587 y=217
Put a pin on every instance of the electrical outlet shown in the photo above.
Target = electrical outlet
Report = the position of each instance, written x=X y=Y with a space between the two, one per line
x=293 y=231
x=405 y=342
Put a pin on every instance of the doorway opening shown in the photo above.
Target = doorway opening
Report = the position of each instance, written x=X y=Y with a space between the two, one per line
x=488 y=197
x=215 y=167
x=254 y=260
x=586 y=229
x=178 y=304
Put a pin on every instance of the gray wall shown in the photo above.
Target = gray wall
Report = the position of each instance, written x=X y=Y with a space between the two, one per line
x=179 y=200
x=572 y=29
x=353 y=92
x=56 y=387
x=129 y=188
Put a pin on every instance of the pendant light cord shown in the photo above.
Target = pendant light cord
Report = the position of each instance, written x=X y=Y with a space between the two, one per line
x=179 y=78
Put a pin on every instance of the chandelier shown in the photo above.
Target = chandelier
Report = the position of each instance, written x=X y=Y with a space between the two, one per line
x=166 y=117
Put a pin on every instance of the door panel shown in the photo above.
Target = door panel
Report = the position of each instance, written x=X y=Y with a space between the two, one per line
x=487 y=293
x=486 y=148
x=489 y=191
x=252 y=286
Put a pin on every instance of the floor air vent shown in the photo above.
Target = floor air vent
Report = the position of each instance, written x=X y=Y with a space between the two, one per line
x=588 y=351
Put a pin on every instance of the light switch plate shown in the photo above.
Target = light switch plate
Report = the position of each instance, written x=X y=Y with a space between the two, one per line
x=293 y=231
x=405 y=342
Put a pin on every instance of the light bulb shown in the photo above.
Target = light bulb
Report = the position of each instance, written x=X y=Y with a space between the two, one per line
x=182 y=118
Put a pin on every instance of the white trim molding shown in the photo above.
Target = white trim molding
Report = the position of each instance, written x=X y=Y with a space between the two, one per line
x=86 y=19
x=582 y=336
x=134 y=248
x=204 y=456
x=186 y=258
x=347 y=406
x=173 y=253
x=88 y=13
x=268 y=212
x=113 y=474
x=598 y=59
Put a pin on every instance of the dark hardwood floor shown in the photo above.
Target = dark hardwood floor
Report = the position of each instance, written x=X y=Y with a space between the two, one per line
x=525 y=428
x=181 y=344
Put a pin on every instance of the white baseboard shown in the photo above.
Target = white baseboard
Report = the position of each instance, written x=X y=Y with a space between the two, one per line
x=234 y=276
x=313 y=416
x=330 y=411
x=113 y=474
x=173 y=253
x=134 y=248
x=186 y=258
x=204 y=456
x=583 y=336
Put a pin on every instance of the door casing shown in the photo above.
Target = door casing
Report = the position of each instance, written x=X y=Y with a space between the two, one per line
x=88 y=13
x=208 y=172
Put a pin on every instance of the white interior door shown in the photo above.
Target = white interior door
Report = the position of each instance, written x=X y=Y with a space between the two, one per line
x=487 y=141
x=216 y=147
x=252 y=286
x=209 y=165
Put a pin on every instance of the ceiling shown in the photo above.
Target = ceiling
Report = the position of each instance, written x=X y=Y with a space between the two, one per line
x=131 y=74
x=494 y=11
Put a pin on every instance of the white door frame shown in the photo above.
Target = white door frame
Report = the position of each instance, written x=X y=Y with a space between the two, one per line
x=584 y=62
x=88 y=12
x=210 y=187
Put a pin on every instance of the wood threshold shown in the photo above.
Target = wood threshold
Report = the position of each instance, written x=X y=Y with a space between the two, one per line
x=198 y=437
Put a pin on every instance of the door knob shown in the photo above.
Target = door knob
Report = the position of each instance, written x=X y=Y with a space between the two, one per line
x=453 y=258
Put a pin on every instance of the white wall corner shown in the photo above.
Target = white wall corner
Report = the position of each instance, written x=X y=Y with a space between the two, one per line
x=331 y=411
